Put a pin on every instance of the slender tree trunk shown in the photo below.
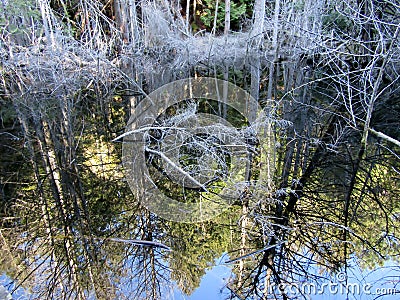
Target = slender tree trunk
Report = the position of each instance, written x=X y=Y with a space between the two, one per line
x=188 y=16
x=134 y=26
x=243 y=238
x=225 y=92
x=127 y=21
x=214 y=29
x=275 y=47
x=227 y=27
x=258 y=23
x=45 y=11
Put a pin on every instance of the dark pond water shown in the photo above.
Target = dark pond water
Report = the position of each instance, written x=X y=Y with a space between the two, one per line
x=202 y=199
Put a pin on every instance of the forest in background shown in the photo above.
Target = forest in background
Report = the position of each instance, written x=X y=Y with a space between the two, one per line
x=72 y=72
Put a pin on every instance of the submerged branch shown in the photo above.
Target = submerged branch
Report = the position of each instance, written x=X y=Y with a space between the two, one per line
x=180 y=170
x=385 y=137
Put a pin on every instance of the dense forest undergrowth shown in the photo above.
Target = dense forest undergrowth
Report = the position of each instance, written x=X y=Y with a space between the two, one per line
x=72 y=73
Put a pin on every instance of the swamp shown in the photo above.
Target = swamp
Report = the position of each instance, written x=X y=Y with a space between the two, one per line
x=199 y=149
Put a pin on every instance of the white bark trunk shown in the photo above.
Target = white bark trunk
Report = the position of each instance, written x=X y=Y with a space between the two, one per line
x=259 y=16
x=227 y=17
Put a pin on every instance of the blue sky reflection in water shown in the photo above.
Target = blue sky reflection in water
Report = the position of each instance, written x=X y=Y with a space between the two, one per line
x=381 y=283
x=211 y=286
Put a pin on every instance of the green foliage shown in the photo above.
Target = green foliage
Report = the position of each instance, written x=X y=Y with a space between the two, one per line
x=336 y=21
x=17 y=16
x=7 y=112
x=197 y=246
x=16 y=7
x=207 y=13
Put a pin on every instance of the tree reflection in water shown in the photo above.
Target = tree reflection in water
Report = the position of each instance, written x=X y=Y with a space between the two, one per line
x=69 y=218
x=69 y=236
x=320 y=194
